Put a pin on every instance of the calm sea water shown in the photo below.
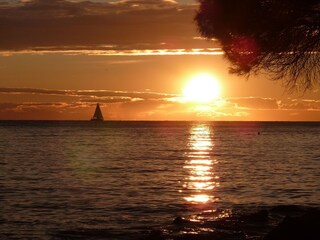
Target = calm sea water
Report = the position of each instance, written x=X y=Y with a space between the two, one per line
x=121 y=180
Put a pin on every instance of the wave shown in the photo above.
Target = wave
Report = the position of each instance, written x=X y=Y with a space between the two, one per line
x=279 y=222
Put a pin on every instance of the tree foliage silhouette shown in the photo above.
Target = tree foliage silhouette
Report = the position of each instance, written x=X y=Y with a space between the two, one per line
x=281 y=37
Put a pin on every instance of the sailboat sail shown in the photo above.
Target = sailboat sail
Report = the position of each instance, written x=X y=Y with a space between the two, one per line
x=97 y=114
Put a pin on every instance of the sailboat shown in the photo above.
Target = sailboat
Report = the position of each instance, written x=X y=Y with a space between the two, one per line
x=97 y=116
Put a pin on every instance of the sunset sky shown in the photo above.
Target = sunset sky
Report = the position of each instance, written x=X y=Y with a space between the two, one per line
x=136 y=58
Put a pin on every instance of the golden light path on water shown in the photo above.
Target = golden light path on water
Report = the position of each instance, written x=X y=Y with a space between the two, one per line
x=201 y=179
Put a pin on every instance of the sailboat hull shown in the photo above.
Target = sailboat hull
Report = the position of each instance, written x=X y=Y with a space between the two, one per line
x=96 y=120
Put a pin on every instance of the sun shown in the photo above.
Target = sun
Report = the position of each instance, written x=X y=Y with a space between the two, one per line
x=202 y=88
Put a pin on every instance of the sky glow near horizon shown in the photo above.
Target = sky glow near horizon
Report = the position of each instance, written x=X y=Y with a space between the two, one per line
x=65 y=56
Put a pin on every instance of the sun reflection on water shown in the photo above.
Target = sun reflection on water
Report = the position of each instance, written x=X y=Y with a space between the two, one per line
x=201 y=180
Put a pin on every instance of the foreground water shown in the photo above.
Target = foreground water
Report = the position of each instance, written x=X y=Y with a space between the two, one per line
x=148 y=180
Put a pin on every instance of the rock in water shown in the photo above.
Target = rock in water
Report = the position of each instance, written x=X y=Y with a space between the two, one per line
x=306 y=227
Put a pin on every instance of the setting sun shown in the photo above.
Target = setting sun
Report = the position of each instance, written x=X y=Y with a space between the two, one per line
x=202 y=88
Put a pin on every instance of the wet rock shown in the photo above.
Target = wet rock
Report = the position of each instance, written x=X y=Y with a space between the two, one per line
x=260 y=216
x=180 y=221
x=288 y=209
x=306 y=227
x=156 y=235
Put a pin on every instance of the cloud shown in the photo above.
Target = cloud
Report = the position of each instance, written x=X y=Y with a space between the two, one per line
x=108 y=100
x=300 y=104
x=133 y=95
x=254 y=103
x=41 y=111
x=33 y=103
x=122 y=25
x=119 y=62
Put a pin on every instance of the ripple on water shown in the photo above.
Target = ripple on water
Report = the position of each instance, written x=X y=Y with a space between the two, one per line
x=74 y=180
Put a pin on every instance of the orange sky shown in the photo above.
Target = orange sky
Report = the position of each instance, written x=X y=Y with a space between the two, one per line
x=59 y=58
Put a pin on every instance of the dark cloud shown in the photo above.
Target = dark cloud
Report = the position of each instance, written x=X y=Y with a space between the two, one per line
x=34 y=91
x=96 y=95
x=59 y=24
x=8 y=106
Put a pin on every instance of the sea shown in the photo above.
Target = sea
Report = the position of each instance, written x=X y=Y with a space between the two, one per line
x=155 y=180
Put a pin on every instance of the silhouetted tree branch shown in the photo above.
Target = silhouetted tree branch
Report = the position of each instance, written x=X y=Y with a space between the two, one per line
x=279 y=36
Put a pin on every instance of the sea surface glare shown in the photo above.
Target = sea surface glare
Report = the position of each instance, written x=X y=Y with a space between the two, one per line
x=131 y=180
